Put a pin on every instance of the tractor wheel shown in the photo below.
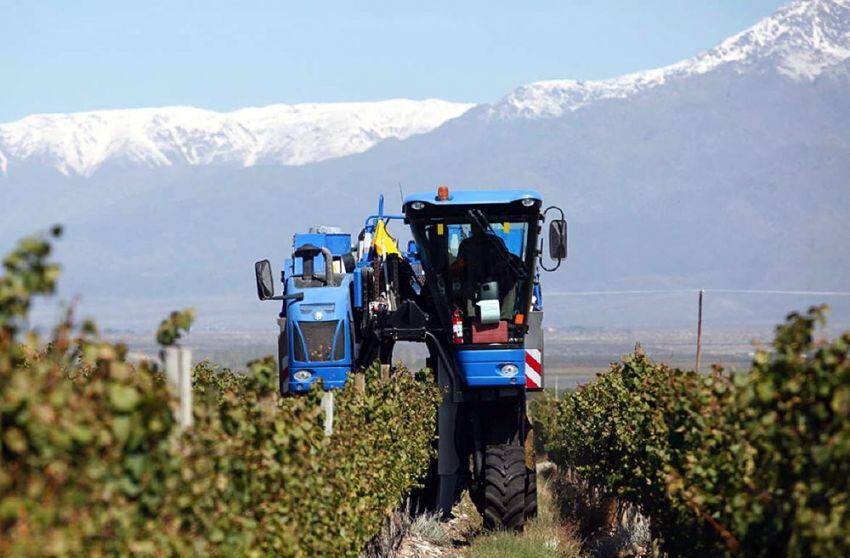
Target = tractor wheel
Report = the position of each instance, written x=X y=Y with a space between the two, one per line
x=530 y=494
x=504 y=487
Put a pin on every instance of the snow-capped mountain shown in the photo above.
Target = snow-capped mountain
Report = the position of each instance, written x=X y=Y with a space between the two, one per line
x=729 y=170
x=80 y=143
x=799 y=41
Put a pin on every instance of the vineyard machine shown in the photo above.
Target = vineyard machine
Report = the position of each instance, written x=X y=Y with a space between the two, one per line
x=468 y=287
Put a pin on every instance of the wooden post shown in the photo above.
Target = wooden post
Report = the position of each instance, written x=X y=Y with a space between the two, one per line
x=360 y=383
x=699 y=331
x=177 y=362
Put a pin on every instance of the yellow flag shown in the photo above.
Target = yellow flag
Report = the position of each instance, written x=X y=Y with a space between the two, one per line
x=384 y=244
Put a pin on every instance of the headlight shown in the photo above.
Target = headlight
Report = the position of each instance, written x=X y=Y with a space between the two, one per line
x=302 y=375
x=527 y=202
x=417 y=205
x=509 y=370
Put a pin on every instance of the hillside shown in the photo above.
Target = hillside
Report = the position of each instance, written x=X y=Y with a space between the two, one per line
x=727 y=170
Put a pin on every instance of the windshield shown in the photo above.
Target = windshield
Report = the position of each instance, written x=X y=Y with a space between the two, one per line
x=482 y=266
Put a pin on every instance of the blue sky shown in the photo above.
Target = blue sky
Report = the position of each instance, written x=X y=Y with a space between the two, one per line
x=63 y=56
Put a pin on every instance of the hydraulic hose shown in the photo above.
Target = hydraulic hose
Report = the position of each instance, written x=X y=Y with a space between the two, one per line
x=448 y=363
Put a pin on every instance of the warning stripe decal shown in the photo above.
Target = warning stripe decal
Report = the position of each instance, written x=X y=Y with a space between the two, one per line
x=533 y=379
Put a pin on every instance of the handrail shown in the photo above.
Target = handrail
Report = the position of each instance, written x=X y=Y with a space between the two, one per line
x=375 y=218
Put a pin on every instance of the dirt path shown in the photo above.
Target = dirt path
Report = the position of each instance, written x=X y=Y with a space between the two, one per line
x=463 y=537
x=430 y=537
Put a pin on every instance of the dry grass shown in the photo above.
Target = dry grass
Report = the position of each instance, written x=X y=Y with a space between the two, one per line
x=431 y=529
x=608 y=527
x=544 y=537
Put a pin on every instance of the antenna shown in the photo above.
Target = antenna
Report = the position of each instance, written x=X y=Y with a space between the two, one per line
x=401 y=193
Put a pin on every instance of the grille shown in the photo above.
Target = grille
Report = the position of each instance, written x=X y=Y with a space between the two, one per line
x=319 y=340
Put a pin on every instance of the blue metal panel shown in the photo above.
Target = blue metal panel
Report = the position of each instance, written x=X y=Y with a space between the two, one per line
x=467 y=197
x=337 y=243
x=333 y=303
x=333 y=377
x=358 y=287
x=333 y=372
x=482 y=367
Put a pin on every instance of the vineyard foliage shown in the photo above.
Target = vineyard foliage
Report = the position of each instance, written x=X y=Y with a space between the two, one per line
x=93 y=464
x=754 y=464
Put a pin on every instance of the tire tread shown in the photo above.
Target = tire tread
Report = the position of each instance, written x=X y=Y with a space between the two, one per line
x=504 y=487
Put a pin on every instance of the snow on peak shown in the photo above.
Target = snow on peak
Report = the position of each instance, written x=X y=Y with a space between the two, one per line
x=799 y=40
x=80 y=143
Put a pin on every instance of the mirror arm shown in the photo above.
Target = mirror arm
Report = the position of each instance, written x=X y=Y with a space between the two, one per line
x=296 y=296
x=549 y=269
x=555 y=207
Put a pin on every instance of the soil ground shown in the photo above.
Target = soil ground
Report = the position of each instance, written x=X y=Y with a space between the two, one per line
x=463 y=536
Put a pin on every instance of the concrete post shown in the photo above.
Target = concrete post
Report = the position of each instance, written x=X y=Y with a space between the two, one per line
x=177 y=362
x=328 y=408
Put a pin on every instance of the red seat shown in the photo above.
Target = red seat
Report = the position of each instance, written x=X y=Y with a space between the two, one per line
x=490 y=333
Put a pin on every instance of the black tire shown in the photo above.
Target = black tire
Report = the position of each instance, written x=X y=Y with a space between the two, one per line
x=504 y=487
x=530 y=494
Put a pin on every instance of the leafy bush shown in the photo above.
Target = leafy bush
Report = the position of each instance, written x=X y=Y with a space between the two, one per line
x=259 y=474
x=754 y=464
x=91 y=461
x=543 y=413
x=84 y=446
x=171 y=329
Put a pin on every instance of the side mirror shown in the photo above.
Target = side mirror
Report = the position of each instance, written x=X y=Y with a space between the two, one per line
x=265 y=281
x=558 y=239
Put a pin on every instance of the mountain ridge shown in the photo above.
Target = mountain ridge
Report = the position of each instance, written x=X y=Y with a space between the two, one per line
x=80 y=143
x=734 y=178
x=800 y=40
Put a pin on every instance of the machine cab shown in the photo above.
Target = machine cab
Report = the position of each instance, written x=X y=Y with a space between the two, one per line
x=316 y=326
x=479 y=249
